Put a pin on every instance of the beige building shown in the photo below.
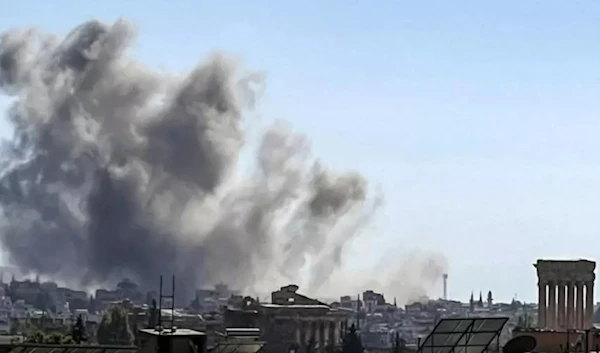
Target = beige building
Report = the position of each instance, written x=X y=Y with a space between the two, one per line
x=292 y=321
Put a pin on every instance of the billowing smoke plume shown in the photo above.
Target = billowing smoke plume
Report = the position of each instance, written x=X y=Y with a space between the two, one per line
x=117 y=171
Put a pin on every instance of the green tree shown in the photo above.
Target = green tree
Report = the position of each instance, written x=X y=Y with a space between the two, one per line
x=67 y=340
x=114 y=328
x=54 y=338
x=36 y=336
x=78 y=333
x=40 y=337
x=351 y=342
x=153 y=315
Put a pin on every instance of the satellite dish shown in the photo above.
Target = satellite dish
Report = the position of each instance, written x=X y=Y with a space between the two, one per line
x=520 y=344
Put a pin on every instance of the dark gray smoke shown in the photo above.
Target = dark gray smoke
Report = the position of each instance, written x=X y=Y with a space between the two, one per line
x=115 y=170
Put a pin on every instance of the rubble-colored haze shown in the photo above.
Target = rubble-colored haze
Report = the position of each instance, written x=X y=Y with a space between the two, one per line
x=115 y=170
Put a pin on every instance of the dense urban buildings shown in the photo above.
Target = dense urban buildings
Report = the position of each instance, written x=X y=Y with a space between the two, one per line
x=289 y=320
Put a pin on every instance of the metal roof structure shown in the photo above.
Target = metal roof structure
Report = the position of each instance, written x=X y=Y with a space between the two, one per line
x=171 y=332
x=464 y=335
x=240 y=346
x=65 y=348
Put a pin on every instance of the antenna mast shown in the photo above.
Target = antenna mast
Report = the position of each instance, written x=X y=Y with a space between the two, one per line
x=160 y=302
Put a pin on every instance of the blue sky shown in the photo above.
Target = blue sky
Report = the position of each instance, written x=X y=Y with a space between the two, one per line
x=478 y=119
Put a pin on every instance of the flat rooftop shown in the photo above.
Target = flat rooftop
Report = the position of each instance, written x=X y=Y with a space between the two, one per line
x=296 y=306
x=169 y=332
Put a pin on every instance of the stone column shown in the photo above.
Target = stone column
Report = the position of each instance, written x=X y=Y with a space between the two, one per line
x=332 y=333
x=299 y=333
x=589 y=305
x=579 y=306
x=542 y=304
x=319 y=336
x=326 y=334
x=551 y=319
x=337 y=333
x=301 y=329
x=560 y=309
x=570 y=306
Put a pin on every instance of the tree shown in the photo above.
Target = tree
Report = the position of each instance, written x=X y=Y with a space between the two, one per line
x=352 y=342
x=114 y=328
x=67 y=340
x=153 y=315
x=54 y=338
x=36 y=337
x=78 y=333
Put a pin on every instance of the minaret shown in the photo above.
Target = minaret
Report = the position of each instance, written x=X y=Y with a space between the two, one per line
x=472 y=303
x=490 y=300
x=480 y=303
x=358 y=312
x=445 y=293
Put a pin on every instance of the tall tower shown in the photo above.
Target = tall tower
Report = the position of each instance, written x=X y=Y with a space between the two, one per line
x=445 y=277
x=471 y=303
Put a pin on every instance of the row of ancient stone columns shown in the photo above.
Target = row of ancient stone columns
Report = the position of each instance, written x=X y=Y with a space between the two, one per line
x=555 y=312
x=322 y=333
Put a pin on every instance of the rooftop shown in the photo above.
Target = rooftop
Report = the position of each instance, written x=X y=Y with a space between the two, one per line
x=296 y=306
x=169 y=332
